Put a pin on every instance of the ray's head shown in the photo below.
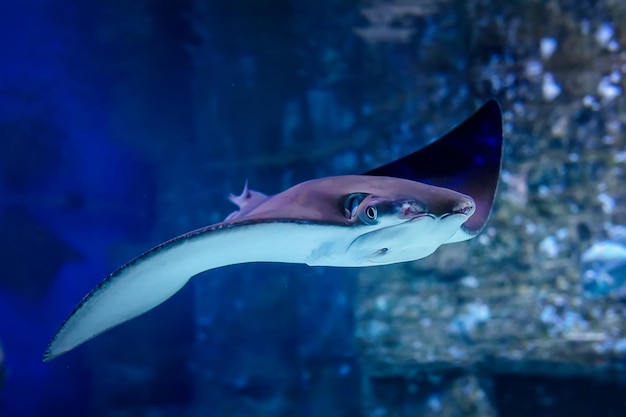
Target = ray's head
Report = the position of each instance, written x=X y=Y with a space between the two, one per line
x=389 y=201
x=403 y=220
x=389 y=219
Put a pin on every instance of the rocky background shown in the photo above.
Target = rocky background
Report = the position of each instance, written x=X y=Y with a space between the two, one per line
x=536 y=302
x=126 y=123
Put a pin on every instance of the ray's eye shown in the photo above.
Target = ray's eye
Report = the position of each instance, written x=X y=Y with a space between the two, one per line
x=371 y=212
x=352 y=204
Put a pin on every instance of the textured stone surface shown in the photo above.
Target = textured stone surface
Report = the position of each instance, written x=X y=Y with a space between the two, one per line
x=513 y=301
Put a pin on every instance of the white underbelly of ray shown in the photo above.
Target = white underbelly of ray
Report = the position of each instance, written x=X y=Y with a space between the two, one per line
x=156 y=276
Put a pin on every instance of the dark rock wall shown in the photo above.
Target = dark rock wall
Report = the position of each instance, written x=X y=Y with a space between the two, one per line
x=534 y=294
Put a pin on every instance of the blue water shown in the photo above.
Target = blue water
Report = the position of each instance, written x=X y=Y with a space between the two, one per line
x=103 y=156
x=124 y=124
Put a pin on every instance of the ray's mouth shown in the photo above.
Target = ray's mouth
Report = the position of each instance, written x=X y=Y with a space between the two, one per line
x=445 y=216
x=465 y=207
x=418 y=216
x=412 y=212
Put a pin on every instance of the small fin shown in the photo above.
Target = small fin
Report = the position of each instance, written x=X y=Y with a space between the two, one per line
x=467 y=159
x=246 y=201
x=240 y=200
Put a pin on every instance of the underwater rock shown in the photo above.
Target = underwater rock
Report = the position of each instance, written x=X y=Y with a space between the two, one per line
x=525 y=308
x=603 y=268
x=447 y=394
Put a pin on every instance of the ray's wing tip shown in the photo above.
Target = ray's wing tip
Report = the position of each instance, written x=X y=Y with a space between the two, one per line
x=493 y=104
x=489 y=115
x=492 y=107
x=50 y=353
x=485 y=126
x=493 y=112
x=56 y=347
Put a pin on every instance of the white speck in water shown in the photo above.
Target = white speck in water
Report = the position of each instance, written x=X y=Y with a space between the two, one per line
x=614 y=127
x=617 y=232
x=533 y=69
x=550 y=88
x=434 y=403
x=607 y=89
x=613 y=45
x=456 y=352
x=548 y=314
x=573 y=321
x=381 y=303
x=620 y=346
x=479 y=311
x=484 y=239
x=378 y=328
x=619 y=156
x=608 y=139
x=470 y=281
x=607 y=202
x=549 y=246
x=562 y=233
x=547 y=47
x=344 y=370
x=591 y=102
x=474 y=314
x=615 y=77
x=606 y=251
x=604 y=34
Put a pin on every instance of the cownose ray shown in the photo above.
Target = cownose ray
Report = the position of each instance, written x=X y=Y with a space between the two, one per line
x=402 y=211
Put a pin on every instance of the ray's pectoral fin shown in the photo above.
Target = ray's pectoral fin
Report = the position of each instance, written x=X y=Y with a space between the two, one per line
x=132 y=290
x=155 y=276
x=158 y=274
x=467 y=159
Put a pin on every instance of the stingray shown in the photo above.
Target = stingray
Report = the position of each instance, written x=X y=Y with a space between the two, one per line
x=399 y=212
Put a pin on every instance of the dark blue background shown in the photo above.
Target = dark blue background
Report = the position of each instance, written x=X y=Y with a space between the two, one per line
x=123 y=124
